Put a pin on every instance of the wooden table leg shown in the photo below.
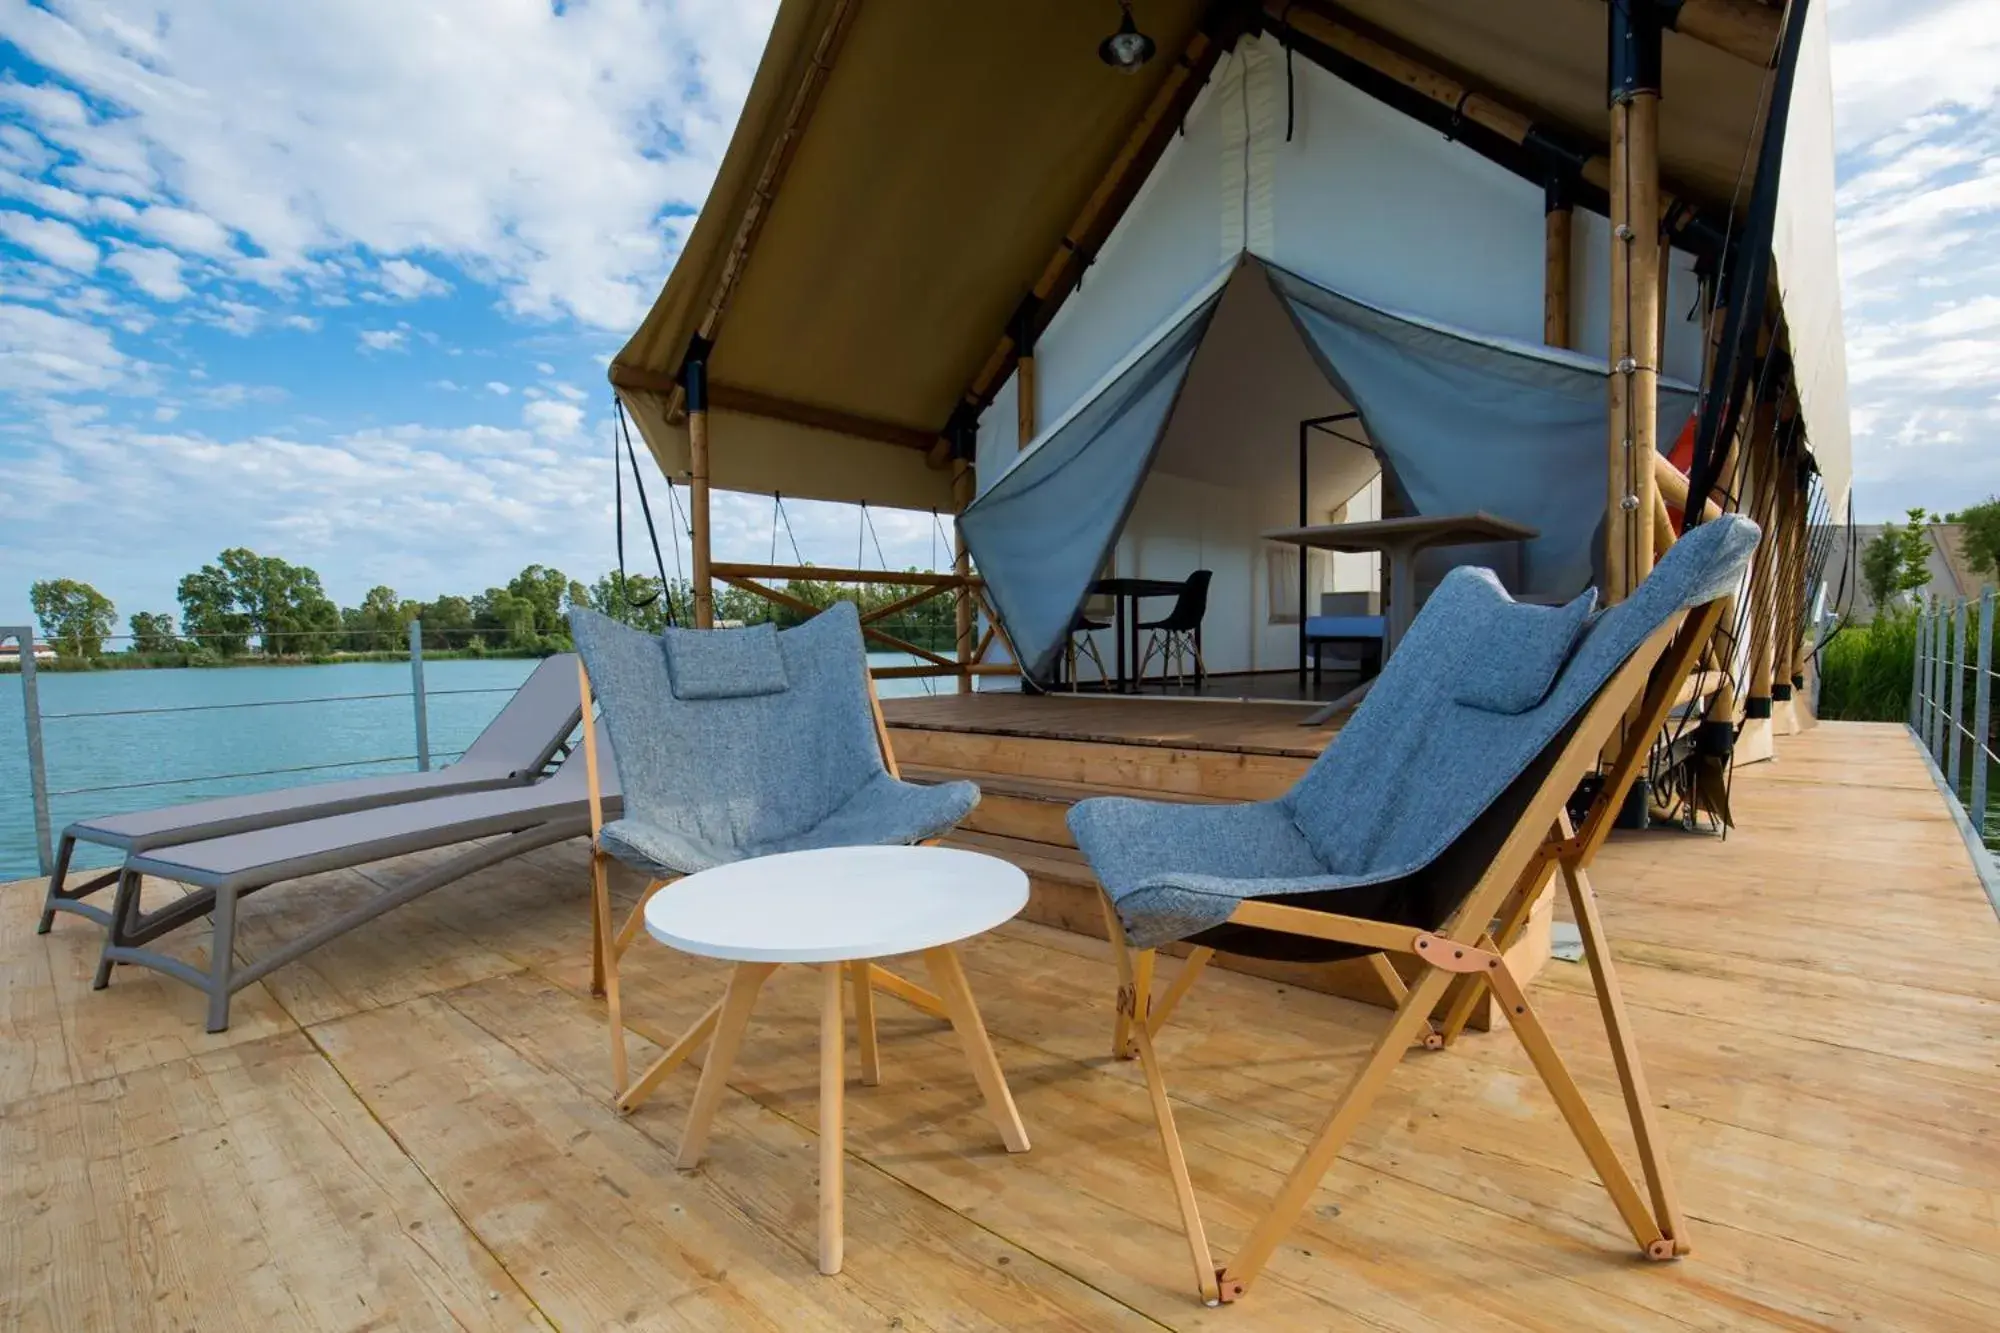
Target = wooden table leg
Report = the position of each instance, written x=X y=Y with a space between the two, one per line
x=864 y=1023
x=737 y=1001
x=832 y=1089
x=949 y=978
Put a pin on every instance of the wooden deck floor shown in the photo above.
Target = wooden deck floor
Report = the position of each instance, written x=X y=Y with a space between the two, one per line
x=410 y=1128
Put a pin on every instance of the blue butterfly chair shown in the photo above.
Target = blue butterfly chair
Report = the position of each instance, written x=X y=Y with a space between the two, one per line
x=1426 y=831
x=736 y=743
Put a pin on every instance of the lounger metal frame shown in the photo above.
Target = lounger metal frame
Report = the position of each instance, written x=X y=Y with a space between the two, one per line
x=68 y=898
x=130 y=929
x=1453 y=966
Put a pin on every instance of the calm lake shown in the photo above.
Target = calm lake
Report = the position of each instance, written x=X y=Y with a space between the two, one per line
x=359 y=734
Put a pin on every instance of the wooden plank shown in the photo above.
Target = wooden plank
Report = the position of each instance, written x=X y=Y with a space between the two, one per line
x=33 y=1058
x=369 y=967
x=245 y=1188
x=144 y=1018
x=502 y=1093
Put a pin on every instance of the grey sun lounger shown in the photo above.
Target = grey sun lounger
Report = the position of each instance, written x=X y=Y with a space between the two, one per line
x=222 y=871
x=516 y=748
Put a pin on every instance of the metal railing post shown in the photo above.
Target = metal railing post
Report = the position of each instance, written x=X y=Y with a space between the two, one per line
x=1917 y=680
x=1982 y=714
x=1955 y=731
x=38 y=773
x=417 y=696
x=1937 y=683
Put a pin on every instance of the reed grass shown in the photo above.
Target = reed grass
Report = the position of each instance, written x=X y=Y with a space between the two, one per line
x=1865 y=670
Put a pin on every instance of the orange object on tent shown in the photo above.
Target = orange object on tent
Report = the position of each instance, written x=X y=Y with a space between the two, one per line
x=1682 y=457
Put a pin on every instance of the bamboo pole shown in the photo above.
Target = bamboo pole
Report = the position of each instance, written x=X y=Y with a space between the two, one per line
x=961 y=565
x=1745 y=29
x=1558 y=229
x=1487 y=112
x=695 y=384
x=1635 y=296
x=1763 y=578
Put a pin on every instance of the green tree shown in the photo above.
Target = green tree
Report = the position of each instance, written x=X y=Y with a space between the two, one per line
x=208 y=612
x=1897 y=561
x=153 y=632
x=74 y=616
x=543 y=590
x=377 y=624
x=1982 y=535
x=447 y=622
x=244 y=593
x=638 y=602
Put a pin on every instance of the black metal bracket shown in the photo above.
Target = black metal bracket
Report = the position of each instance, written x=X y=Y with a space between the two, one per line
x=694 y=373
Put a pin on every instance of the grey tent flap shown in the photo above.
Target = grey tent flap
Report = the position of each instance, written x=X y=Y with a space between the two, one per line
x=1470 y=423
x=1046 y=527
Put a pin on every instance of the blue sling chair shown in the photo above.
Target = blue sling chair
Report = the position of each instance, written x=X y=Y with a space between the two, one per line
x=731 y=744
x=1426 y=831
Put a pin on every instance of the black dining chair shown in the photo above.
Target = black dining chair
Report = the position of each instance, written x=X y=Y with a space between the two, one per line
x=1078 y=642
x=1176 y=636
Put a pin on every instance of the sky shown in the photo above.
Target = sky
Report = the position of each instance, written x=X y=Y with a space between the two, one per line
x=338 y=282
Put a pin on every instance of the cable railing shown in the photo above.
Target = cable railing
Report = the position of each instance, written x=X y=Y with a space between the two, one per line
x=1954 y=656
x=41 y=795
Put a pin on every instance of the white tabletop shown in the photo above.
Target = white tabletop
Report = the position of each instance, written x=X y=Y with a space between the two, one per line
x=836 y=904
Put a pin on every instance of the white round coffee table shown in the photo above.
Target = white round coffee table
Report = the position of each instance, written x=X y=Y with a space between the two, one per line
x=840 y=908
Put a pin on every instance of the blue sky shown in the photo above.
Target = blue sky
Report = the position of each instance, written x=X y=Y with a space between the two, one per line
x=338 y=281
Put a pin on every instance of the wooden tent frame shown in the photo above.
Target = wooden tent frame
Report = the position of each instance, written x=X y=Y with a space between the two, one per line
x=608 y=946
x=1454 y=964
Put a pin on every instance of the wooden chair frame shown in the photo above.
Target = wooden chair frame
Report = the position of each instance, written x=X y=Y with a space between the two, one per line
x=608 y=945
x=1455 y=963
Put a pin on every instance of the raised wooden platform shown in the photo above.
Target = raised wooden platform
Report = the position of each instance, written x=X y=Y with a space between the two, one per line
x=1035 y=756
x=411 y=1128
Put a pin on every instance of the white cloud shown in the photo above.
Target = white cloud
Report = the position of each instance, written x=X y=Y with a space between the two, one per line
x=1917 y=111
x=553 y=151
x=154 y=272
x=303 y=323
x=45 y=353
x=546 y=417
x=496 y=387
x=384 y=340
x=53 y=240
x=408 y=282
x=424 y=510
x=184 y=230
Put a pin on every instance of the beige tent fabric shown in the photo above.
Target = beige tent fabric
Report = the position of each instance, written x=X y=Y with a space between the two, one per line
x=951 y=147
x=953 y=143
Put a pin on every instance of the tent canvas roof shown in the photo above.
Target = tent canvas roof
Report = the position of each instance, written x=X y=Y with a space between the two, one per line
x=903 y=174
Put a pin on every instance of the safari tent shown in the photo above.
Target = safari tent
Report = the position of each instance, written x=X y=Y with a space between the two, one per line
x=946 y=237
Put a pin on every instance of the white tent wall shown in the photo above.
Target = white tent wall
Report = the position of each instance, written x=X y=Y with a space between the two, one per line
x=1361 y=199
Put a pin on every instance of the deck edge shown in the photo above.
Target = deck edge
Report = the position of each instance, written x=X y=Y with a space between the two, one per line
x=1975 y=846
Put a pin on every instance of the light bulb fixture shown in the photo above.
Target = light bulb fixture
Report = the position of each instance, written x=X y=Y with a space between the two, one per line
x=1128 y=48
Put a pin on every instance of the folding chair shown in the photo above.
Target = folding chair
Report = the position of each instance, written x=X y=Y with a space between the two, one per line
x=732 y=744
x=1448 y=895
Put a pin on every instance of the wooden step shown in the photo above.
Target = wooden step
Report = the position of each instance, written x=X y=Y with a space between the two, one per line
x=1062 y=892
x=1159 y=771
x=1031 y=809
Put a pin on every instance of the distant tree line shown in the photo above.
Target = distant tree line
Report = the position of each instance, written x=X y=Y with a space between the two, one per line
x=246 y=606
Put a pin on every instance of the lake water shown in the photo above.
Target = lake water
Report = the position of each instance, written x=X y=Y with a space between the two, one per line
x=189 y=754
